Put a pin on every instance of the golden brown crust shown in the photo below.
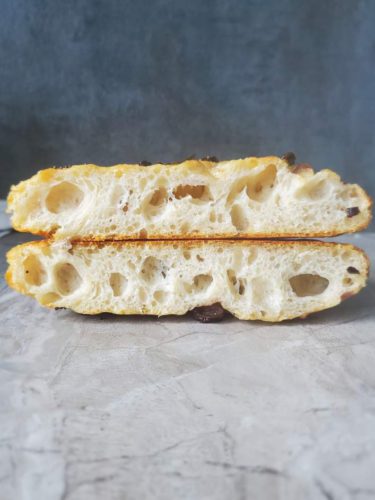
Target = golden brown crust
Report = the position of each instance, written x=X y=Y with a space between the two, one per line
x=203 y=236
x=192 y=243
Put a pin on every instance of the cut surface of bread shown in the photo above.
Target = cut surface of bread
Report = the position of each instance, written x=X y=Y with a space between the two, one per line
x=248 y=198
x=264 y=280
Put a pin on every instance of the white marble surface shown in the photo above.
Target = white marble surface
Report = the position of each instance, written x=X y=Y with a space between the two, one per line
x=4 y=219
x=130 y=408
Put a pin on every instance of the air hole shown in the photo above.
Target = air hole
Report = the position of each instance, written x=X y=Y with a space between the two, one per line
x=347 y=281
x=200 y=258
x=160 y=296
x=313 y=190
x=202 y=282
x=116 y=196
x=212 y=216
x=346 y=255
x=252 y=256
x=35 y=274
x=153 y=269
x=258 y=186
x=352 y=270
x=238 y=217
x=199 y=192
x=237 y=285
x=64 y=196
x=117 y=282
x=143 y=234
x=237 y=254
x=232 y=277
x=67 y=278
x=155 y=203
x=187 y=254
x=306 y=285
x=159 y=197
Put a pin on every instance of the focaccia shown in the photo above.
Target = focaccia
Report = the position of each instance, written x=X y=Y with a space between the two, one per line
x=263 y=280
x=248 y=198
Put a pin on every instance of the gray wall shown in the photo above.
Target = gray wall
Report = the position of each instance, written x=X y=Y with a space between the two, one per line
x=120 y=81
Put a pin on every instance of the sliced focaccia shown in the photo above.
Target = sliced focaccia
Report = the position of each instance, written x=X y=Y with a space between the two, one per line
x=264 y=280
x=249 y=198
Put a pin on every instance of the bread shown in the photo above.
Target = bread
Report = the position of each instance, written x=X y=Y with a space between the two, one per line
x=264 y=280
x=249 y=198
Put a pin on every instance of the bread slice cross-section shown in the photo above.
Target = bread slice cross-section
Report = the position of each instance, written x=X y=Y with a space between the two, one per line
x=252 y=279
x=248 y=198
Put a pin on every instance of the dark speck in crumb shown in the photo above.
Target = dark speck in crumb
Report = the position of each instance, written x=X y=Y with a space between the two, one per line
x=352 y=270
x=352 y=211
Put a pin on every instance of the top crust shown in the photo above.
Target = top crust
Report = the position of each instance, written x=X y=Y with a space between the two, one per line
x=254 y=198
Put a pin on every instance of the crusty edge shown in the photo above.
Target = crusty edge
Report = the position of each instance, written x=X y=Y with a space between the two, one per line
x=12 y=255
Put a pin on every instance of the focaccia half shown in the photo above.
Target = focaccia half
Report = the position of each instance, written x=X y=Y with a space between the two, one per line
x=264 y=280
x=248 y=198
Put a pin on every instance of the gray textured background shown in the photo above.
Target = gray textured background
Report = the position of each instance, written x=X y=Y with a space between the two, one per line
x=113 y=81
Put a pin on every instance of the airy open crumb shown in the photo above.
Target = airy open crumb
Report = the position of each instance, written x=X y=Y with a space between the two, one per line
x=263 y=280
x=253 y=197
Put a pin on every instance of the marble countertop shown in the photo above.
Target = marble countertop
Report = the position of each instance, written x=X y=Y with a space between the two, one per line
x=140 y=408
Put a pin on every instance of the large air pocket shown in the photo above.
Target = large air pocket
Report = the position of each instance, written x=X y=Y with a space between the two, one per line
x=198 y=192
x=63 y=197
x=307 y=285
x=67 y=278
x=258 y=185
x=35 y=274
